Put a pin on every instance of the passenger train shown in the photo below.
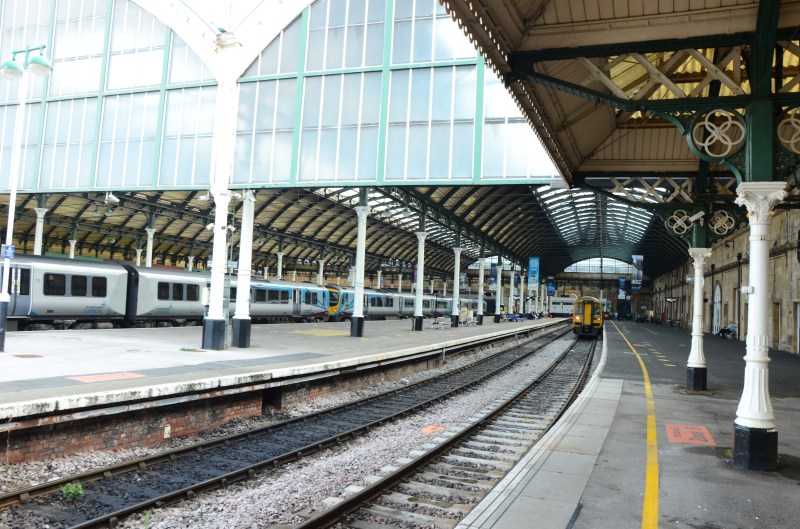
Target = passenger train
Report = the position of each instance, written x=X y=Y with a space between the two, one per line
x=48 y=292
x=587 y=319
x=383 y=303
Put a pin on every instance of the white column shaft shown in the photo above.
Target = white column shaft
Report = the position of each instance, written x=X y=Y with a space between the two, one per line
x=245 y=258
x=456 y=280
x=219 y=255
x=696 y=355
x=37 y=238
x=755 y=408
x=279 y=273
x=481 y=262
x=149 y=256
x=361 y=252
x=72 y=243
x=420 y=270
x=321 y=272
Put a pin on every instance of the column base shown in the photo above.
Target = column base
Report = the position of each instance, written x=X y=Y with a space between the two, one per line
x=480 y=319
x=241 y=332
x=454 y=320
x=357 y=326
x=497 y=318
x=755 y=448
x=696 y=378
x=417 y=323
x=214 y=334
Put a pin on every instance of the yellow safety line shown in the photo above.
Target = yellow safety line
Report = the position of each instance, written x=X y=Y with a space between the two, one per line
x=650 y=504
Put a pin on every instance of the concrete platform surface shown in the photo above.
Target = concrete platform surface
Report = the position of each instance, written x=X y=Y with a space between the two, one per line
x=64 y=370
x=589 y=471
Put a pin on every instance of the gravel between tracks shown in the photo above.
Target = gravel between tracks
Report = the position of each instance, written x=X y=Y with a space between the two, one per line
x=275 y=497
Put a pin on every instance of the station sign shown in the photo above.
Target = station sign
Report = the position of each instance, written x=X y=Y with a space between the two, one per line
x=8 y=251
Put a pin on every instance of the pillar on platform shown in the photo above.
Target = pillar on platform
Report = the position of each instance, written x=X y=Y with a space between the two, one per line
x=696 y=373
x=37 y=238
x=357 y=320
x=240 y=328
x=418 y=317
x=755 y=443
x=454 y=314
x=149 y=256
x=481 y=262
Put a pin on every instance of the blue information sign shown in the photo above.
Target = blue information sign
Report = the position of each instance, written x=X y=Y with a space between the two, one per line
x=8 y=251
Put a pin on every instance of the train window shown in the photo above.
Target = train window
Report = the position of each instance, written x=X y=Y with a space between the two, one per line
x=408 y=302
x=55 y=284
x=260 y=296
x=334 y=298
x=24 y=282
x=388 y=302
x=192 y=293
x=426 y=303
x=375 y=301
x=163 y=291
x=177 y=291
x=441 y=304
x=78 y=285
x=99 y=287
x=232 y=294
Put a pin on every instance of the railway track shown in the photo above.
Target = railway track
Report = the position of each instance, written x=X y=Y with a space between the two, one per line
x=112 y=493
x=441 y=486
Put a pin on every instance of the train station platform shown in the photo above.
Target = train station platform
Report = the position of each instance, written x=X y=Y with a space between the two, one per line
x=589 y=471
x=58 y=371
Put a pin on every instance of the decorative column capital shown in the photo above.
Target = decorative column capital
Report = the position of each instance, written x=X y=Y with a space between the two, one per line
x=362 y=212
x=421 y=236
x=699 y=255
x=456 y=250
x=760 y=198
x=150 y=232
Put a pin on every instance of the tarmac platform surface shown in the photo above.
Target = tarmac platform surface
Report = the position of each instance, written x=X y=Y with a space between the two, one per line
x=588 y=472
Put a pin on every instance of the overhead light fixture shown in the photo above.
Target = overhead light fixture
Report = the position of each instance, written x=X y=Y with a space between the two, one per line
x=108 y=212
x=110 y=198
x=204 y=198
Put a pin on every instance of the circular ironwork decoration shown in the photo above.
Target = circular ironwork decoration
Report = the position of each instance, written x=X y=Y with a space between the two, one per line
x=718 y=133
x=789 y=130
x=679 y=222
x=722 y=222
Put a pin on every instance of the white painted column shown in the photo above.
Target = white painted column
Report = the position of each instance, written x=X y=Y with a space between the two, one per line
x=219 y=255
x=149 y=259
x=511 y=291
x=499 y=300
x=321 y=271
x=444 y=288
x=139 y=256
x=481 y=262
x=279 y=274
x=294 y=275
x=72 y=243
x=418 y=317
x=190 y=262
x=755 y=433
x=455 y=314
x=266 y=272
x=37 y=238
x=696 y=375
x=399 y=282
x=357 y=321
x=241 y=320
x=522 y=280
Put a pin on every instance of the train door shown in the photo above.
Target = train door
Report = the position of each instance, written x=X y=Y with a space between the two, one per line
x=297 y=302
x=19 y=287
x=365 y=309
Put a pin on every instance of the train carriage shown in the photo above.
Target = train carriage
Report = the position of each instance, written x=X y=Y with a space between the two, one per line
x=587 y=317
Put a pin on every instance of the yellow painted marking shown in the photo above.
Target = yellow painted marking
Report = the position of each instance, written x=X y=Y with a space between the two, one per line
x=321 y=332
x=650 y=503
